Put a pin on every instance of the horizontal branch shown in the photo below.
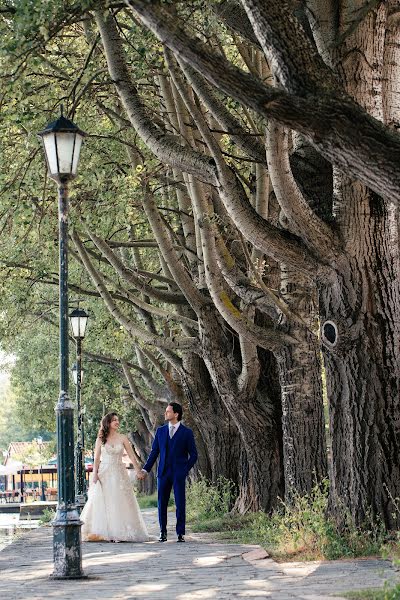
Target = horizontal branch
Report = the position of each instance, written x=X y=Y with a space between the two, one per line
x=165 y=146
x=338 y=127
x=137 y=333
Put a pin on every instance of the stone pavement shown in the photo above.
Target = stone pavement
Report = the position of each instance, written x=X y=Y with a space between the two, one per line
x=199 y=569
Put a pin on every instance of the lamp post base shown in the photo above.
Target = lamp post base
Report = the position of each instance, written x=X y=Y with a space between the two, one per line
x=67 y=545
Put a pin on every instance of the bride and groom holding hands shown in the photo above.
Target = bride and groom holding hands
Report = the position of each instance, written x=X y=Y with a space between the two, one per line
x=112 y=512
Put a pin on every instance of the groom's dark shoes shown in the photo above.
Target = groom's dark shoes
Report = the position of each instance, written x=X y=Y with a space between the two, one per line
x=180 y=538
x=163 y=536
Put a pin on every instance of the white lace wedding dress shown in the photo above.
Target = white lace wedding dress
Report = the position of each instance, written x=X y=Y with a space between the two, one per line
x=112 y=512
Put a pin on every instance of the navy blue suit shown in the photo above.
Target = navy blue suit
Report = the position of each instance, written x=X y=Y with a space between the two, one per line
x=177 y=456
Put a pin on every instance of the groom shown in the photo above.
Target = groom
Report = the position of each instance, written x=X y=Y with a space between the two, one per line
x=175 y=445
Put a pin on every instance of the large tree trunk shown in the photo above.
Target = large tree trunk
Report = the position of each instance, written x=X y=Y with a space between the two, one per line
x=304 y=441
x=257 y=419
x=142 y=441
x=268 y=394
x=219 y=435
x=360 y=312
x=361 y=333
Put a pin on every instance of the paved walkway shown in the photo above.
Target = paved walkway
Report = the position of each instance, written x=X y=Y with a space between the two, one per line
x=196 y=570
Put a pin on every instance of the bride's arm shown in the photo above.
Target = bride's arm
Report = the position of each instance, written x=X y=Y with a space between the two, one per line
x=97 y=453
x=131 y=454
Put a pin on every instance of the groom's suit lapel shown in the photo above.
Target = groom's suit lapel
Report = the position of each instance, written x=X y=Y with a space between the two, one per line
x=179 y=431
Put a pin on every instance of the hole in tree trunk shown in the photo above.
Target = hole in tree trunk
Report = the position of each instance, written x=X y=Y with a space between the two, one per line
x=329 y=334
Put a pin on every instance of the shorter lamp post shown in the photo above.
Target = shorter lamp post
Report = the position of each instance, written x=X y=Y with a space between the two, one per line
x=39 y=441
x=74 y=372
x=62 y=142
x=78 y=320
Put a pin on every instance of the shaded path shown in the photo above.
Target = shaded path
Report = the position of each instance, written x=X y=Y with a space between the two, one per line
x=196 y=570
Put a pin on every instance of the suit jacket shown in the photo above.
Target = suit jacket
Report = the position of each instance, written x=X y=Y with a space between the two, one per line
x=182 y=452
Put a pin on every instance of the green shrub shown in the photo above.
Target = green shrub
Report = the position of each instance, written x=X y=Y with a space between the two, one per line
x=150 y=500
x=206 y=500
x=302 y=530
x=387 y=593
x=305 y=529
x=47 y=516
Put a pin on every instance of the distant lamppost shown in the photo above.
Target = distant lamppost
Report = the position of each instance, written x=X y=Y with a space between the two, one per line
x=39 y=441
x=78 y=319
x=62 y=142
x=74 y=373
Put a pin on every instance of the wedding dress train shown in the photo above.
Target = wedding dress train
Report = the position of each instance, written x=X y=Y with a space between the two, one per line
x=112 y=512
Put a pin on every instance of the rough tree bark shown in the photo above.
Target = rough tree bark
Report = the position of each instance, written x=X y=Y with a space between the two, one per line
x=360 y=307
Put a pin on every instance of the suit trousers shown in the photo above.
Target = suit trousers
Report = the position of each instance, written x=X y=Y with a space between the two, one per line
x=166 y=482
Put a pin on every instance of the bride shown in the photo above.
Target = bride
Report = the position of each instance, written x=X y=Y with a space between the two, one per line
x=112 y=513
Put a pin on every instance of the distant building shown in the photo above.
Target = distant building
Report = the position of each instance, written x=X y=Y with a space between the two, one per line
x=16 y=476
x=16 y=449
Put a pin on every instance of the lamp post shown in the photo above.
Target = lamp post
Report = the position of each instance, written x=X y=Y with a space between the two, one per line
x=62 y=142
x=78 y=319
x=39 y=441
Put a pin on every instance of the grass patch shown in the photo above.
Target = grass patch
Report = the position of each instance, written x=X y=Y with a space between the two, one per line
x=387 y=593
x=147 y=501
x=150 y=501
x=301 y=531
x=222 y=524
x=205 y=500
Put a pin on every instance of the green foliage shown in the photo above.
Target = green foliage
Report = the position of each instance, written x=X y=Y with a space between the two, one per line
x=151 y=501
x=227 y=525
x=49 y=57
x=206 y=500
x=306 y=529
x=387 y=593
x=35 y=388
x=47 y=516
x=11 y=427
x=147 y=501
x=303 y=530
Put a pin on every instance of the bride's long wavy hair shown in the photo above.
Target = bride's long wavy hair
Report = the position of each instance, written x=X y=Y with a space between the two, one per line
x=105 y=423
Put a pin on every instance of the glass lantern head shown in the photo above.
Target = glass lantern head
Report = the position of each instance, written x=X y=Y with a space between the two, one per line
x=62 y=141
x=78 y=320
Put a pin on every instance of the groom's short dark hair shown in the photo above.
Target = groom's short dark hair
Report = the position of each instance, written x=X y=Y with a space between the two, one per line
x=177 y=408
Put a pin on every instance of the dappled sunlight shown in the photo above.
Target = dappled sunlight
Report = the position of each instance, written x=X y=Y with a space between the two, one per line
x=118 y=558
x=30 y=574
x=208 y=561
x=256 y=588
x=300 y=569
x=143 y=589
x=257 y=583
x=253 y=594
x=199 y=594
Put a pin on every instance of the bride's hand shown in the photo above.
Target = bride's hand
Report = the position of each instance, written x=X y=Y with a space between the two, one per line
x=95 y=478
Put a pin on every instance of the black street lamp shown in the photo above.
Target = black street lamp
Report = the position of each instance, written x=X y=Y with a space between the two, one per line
x=78 y=319
x=39 y=441
x=62 y=142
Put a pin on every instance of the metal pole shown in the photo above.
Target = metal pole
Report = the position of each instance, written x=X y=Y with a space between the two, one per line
x=22 y=485
x=80 y=441
x=43 y=495
x=66 y=525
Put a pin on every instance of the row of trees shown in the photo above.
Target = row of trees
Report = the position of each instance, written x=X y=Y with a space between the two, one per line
x=235 y=214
